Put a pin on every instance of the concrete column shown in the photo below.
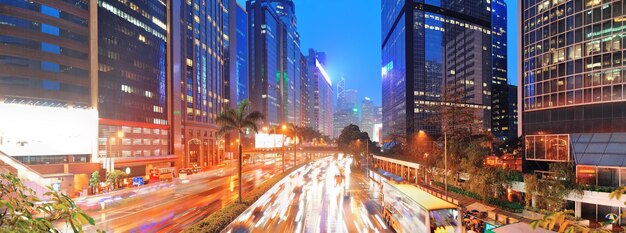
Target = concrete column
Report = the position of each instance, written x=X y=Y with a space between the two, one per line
x=577 y=209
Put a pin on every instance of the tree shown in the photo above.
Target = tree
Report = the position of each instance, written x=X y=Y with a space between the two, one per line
x=566 y=223
x=94 y=180
x=114 y=178
x=22 y=211
x=239 y=121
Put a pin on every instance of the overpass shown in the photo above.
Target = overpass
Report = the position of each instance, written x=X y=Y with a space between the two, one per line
x=308 y=151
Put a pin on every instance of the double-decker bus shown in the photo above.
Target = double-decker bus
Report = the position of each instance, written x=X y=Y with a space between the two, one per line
x=410 y=209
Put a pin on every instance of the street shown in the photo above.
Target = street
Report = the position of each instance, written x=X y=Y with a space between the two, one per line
x=324 y=196
x=173 y=206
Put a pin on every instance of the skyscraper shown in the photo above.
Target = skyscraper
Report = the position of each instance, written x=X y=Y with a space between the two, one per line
x=201 y=81
x=368 y=116
x=432 y=50
x=512 y=113
x=274 y=60
x=132 y=81
x=500 y=113
x=305 y=107
x=572 y=95
x=241 y=70
x=48 y=92
x=320 y=93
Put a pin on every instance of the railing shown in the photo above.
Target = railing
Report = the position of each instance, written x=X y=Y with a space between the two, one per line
x=31 y=177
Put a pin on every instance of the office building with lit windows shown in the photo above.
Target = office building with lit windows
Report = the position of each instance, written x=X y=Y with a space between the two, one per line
x=48 y=93
x=500 y=113
x=274 y=58
x=320 y=94
x=241 y=44
x=572 y=95
x=305 y=107
x=435 y=49
x=368 y=116
x=132 y=87
x=201 y=87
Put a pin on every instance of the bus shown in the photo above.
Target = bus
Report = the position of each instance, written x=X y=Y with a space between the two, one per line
x=407 y=208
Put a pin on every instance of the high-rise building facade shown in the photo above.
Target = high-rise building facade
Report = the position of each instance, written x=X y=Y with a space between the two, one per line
x=274 y=60
x=241 y=69
x=45 y=53
x=132 y=81
x=500 y=113
x=305 y=107
x=320 y=94
x=201 y=81
x=48 y=92
x=512 y=113
x=572 y=95
x=368 y=116
x=430 y=50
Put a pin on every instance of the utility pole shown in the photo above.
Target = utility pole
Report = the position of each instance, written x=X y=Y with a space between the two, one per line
x=445 y=160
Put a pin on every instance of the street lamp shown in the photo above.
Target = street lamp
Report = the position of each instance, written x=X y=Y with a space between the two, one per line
x=113 y=139
x=284 y=127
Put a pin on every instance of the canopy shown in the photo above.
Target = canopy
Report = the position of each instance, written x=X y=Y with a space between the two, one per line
x=519 y=227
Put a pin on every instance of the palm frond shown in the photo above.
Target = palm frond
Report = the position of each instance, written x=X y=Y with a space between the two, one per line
x=226 y=129
x=228 y=118
x=243 y=107
x=250 y=125
x=254 y=116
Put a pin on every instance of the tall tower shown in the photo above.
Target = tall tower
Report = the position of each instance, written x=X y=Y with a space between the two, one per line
x=431 y=50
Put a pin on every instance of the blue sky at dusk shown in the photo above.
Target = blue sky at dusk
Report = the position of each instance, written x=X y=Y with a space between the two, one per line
x=349 y=32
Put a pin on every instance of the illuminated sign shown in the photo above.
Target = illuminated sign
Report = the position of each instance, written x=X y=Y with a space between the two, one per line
x=262 y=140
x=27 y=130
x=321 y=68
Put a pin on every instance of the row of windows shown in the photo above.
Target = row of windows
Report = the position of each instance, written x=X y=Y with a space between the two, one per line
x=130 y=153
x=584 y=96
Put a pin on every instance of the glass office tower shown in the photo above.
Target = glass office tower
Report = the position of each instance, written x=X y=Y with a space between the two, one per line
x=201 y=84
x=275 y=82
x=432 y=49
x=242 y=53
x=132 y=94
x=572 y=94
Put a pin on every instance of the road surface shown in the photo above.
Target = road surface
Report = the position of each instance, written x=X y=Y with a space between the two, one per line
x=322 y=197
x=171 y=207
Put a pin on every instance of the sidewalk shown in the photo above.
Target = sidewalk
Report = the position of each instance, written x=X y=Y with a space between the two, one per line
x=148 y=187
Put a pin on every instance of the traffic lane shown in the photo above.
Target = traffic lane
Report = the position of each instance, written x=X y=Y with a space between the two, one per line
x=324 y=202
x=165 y=214
x=124 y=218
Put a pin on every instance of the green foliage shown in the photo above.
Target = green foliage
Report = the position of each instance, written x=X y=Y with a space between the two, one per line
x=563 y=222
x=22 y=211
x=220 y=219
x=352 y=141
x=530 y=187
x=595 y=188
x=95 y=179
x=506 y=205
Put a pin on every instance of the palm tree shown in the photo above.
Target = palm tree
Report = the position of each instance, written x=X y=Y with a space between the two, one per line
x=239 y=120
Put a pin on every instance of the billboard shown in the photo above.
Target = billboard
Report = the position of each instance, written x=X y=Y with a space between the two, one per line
x=27 y=130
x=262 y=140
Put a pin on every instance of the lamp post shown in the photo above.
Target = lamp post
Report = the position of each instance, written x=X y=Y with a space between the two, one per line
x=118 y=135
x=284 y=127
x=445 y=160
